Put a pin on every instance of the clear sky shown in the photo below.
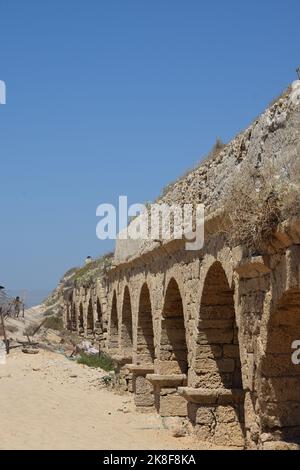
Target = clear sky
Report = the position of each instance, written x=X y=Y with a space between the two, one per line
x=109 y=97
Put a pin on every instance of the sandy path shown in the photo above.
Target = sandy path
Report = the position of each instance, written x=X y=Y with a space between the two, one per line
x=43 y=406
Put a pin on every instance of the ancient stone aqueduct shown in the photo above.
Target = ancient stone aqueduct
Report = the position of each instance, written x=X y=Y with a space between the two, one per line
x=206 y=336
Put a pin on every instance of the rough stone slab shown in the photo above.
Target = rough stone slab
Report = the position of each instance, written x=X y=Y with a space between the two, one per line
x=140 y=369
x=166 y=380
x=206 y=396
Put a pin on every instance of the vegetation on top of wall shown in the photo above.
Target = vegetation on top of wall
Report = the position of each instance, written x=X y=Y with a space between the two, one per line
x=76 y=277
x=92 y=270
x=259 y=200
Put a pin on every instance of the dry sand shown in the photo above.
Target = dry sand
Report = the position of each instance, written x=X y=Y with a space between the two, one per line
x=50 y=402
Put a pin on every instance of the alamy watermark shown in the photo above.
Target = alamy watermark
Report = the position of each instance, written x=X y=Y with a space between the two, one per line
x=156 y=222
x=296 y=353
x=2 y=92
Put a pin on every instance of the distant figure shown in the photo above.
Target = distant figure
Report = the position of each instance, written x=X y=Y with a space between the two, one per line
x=88 y=260
x=17 y=307
x=2 y=295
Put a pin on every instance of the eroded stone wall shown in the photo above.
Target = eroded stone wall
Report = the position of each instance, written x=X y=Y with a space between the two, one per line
x=206 y=337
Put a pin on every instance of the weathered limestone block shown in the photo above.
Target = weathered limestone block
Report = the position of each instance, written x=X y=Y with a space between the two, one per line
x=142 y=385
x=253 y=268
x=144 y=400
x=229 y=434
x=217 y=424
x=280 y=445
x=221 y=365
x=283 y=337
x=168 y=367
x=173 y=405
x=279 y=365
x=212 y=380
x=226 y=414
x=215 y=336
x=205 y=416
x=275 y=415
x=203 y=433
x=204 y=351
x=286 y=389
x=223 y=312
x=214 y=324
x=293 y=262
x=144 y=358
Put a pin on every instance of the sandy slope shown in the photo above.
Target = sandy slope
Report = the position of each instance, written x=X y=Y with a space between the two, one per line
x=50 y=402
x=33 y=316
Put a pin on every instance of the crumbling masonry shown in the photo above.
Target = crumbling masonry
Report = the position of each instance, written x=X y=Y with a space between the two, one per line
x=206 y=336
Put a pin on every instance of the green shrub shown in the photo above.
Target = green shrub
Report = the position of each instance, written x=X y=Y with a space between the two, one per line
x=107 y=380
x=54 y=323
x=102 y=360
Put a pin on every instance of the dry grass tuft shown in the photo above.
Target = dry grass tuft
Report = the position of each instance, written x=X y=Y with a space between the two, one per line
x=258 y=200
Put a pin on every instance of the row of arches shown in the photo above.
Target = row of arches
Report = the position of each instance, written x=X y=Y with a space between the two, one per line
x=212 y=349
x=215 y=359
x=145 y=332
x=217 y=336
x=75 y=318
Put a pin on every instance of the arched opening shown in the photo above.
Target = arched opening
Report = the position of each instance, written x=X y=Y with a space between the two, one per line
x=217 y=366
x=113 y=343
x=73 y=317
x=80 y=319
x=145 y=336
x=279 y=387
x=173 y=346
x=69 y=305
x=126 y=336
x=68 y=315
x=99 y=312
x=90 y=318
x=217 y=355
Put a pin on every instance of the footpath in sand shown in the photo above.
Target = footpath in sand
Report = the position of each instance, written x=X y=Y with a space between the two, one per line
x=50 y=402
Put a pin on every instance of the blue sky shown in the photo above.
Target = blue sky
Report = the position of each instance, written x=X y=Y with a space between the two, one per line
x=110 y=97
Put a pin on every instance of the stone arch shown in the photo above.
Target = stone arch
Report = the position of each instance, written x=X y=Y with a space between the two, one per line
x=114 y=329
x=279 y=384
x=73 y=317
x=218 y=415
x=173 y=346
x=145 y=334
x=90 y=318
x=127 y=329
x=68 y=310
x=80 y=317
x=98 y=312
x=217 y=359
